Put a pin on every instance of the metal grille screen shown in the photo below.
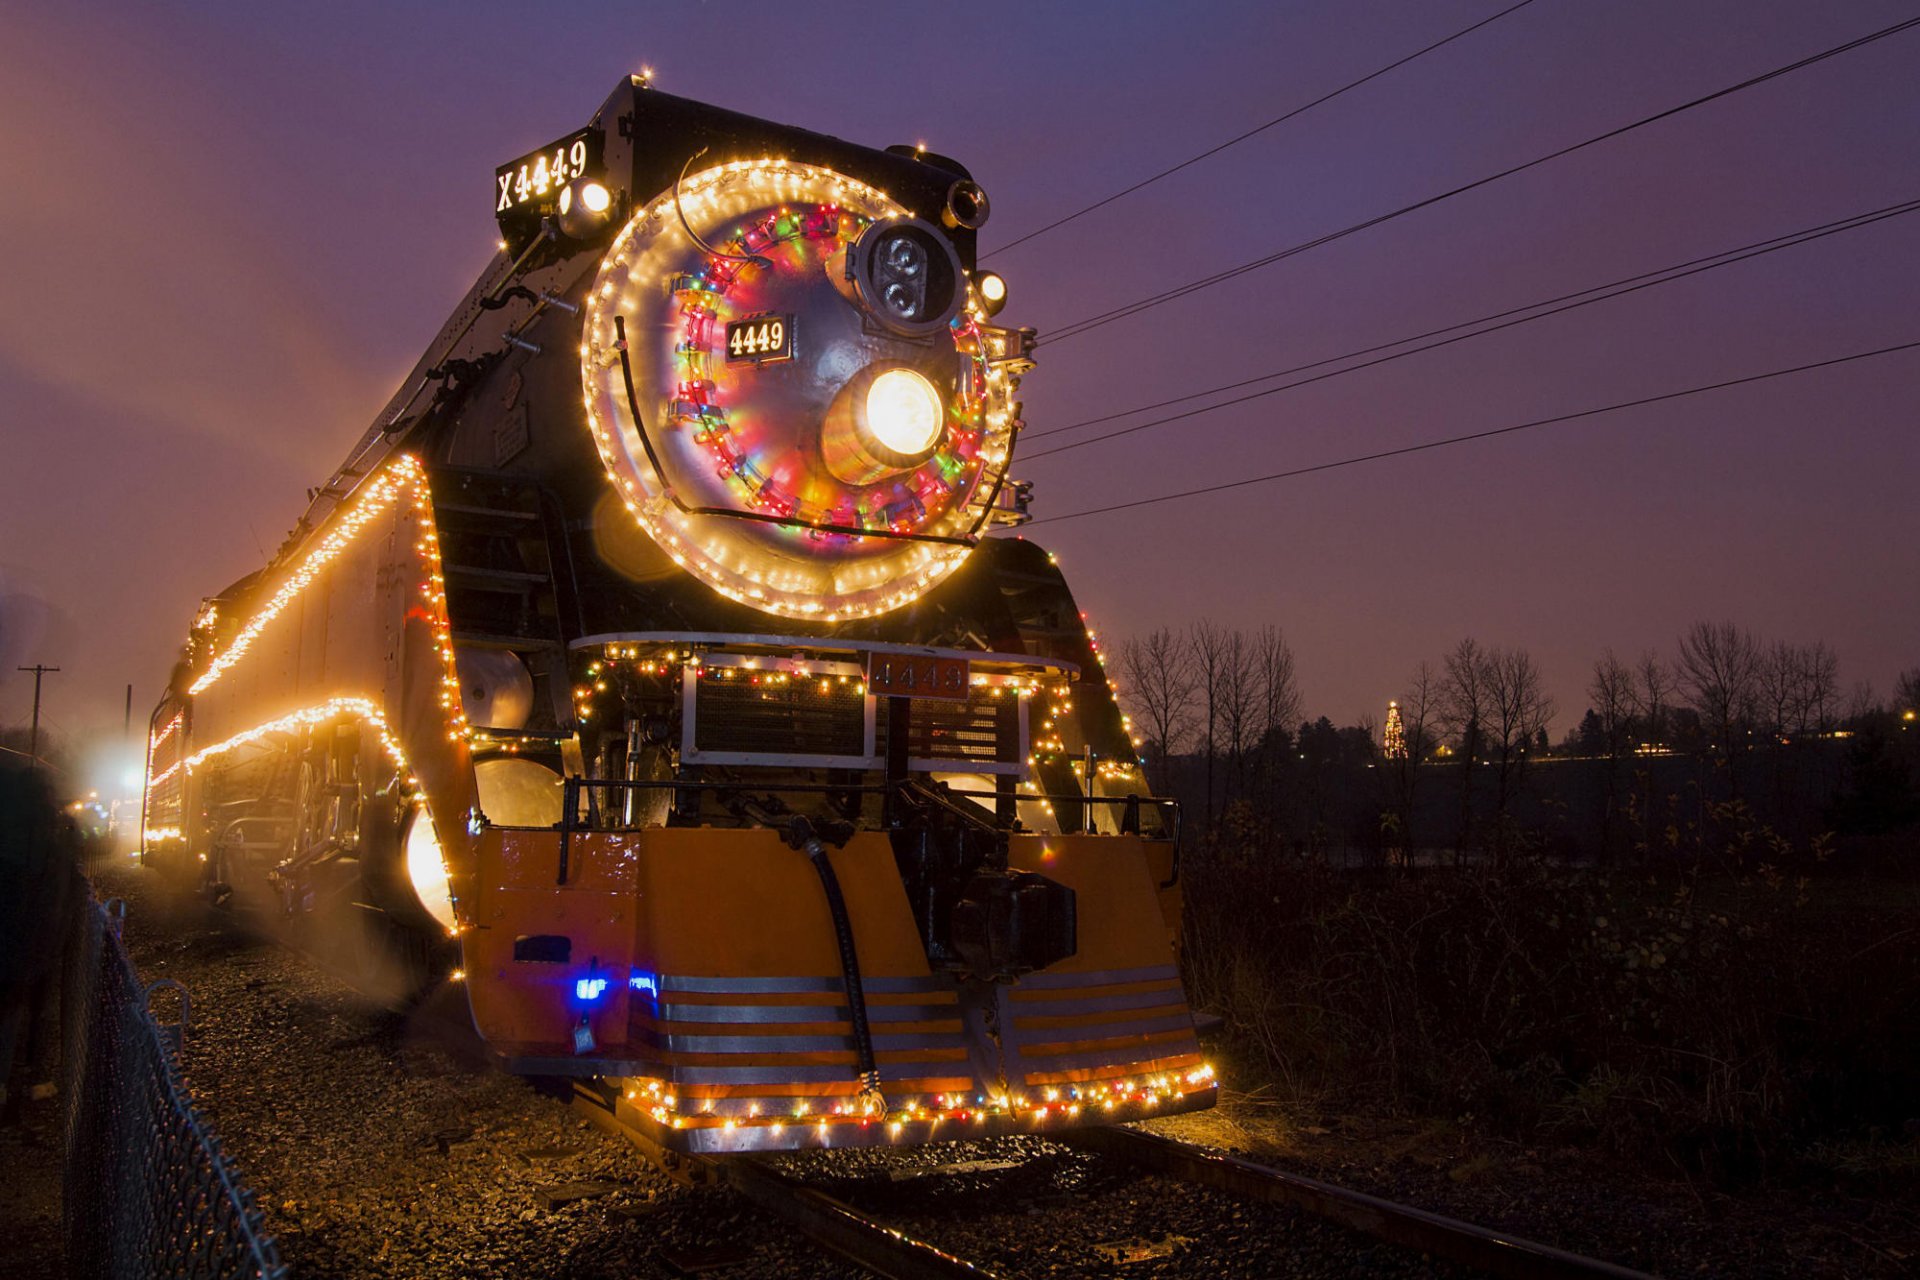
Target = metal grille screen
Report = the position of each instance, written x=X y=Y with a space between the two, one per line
x=780 y=716
x=984 y=730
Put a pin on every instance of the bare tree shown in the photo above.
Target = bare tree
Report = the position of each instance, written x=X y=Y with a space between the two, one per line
x=1463 y=712
x=1776 y=681
x=1612 y=692
x=1160 y=684
x=1719 y=669
x=1652 y=696
x=1797 y=686
x=1862 y=701
x=1208 y=644
x=1906 y=690
x=1238 y=693
x=1819 y=688
x=1275 y=682
x=1419 y=710
x=1518 y=710
x=1278 y=689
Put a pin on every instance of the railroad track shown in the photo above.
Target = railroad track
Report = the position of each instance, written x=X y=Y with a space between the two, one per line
x=1497 y=1253
x=884 y=1250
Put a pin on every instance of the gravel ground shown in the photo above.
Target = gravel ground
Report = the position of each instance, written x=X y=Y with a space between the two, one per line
x=379 y=1146
x=30 y=1232
x=382 y=1146
x=1029 y=1207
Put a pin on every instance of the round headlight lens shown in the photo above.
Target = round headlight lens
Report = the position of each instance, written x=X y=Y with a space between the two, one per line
x=901 y=273
x=904 y=412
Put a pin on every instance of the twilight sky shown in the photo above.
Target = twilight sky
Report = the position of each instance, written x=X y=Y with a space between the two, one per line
x=230 y=229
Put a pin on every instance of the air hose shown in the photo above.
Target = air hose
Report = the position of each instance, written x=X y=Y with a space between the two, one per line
x=798 y=833
x=816 y=851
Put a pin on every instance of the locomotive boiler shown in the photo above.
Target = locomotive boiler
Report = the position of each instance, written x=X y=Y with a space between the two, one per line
x=648 y=669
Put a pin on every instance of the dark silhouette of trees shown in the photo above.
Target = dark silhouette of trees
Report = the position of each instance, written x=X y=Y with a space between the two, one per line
x=1906 y=691
x=1160 y=681
x=1209 y=647
x=1612 y=692
x=1518 y=711
x=1463 y=710
x=1719 y=667
x=1652 y=698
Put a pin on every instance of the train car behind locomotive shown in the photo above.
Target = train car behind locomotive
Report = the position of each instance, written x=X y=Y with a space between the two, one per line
x=647 y=668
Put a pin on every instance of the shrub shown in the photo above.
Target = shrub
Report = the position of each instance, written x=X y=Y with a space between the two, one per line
x=1724 y=1018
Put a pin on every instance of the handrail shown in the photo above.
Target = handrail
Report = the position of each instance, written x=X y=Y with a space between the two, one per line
x=572 y=788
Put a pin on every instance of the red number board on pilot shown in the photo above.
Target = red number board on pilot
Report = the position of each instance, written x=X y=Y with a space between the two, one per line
x=906 y=675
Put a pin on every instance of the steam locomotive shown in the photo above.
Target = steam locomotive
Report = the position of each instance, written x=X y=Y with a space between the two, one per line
x=646 y=668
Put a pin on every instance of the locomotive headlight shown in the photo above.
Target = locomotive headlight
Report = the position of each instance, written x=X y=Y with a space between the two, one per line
x=904 y=411
x=888 y=419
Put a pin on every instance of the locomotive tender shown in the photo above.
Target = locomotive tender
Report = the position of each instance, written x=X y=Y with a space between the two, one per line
x=646 y=668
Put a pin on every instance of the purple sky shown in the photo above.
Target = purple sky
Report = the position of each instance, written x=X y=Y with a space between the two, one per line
x=230 y=228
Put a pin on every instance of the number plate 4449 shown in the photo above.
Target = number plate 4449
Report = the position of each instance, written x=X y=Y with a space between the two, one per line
x=760 y=340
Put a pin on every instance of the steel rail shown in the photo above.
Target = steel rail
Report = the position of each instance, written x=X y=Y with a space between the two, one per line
x=1498 y=1253
x=832 y=1224
x=844 y=1230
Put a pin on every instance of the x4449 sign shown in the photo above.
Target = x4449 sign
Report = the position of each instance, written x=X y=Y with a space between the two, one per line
x=907 y=675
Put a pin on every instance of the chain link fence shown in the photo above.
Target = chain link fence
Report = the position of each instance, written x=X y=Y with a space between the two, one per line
x=149 y=1194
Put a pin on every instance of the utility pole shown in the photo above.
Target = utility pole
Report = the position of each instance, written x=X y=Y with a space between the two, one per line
x=33 y=740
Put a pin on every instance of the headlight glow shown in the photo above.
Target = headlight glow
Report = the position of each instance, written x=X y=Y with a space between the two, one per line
x=427 y=869
x=904 y=411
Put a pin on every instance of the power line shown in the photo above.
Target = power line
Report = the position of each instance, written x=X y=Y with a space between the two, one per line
x=1257 y=129
x=1079 y=327
x=1478 y=435
x=1565 y=302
